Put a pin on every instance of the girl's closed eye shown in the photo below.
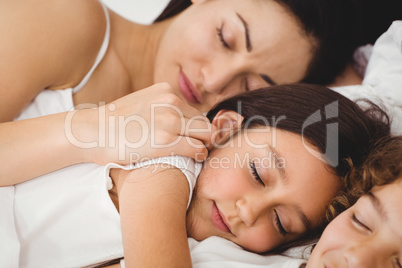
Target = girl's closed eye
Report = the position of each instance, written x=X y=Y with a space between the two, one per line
x=221 y=37
x=255 y=173
x=278 y=222
x=279 y=225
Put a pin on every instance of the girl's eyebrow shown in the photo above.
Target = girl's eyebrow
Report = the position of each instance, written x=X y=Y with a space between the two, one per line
x=282 y=171
x=276 y=156
x=249 y=47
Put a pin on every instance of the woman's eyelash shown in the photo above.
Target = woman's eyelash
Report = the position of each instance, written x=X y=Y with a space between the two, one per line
x=245 y=81
x=220 y=34
x=398 y=264
x=356 y=220
x=255 y=173
x=278 y=222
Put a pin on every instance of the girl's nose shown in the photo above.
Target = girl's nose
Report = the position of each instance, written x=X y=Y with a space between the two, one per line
x=249 y=210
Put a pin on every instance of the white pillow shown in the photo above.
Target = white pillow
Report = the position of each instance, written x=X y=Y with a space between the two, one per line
x=141 y=11
x=382 y=81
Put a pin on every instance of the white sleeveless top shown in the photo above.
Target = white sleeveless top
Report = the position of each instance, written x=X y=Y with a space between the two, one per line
x=66 y=218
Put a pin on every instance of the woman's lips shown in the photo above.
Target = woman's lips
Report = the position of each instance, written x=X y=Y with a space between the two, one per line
x=218 y=219
x=187 y=89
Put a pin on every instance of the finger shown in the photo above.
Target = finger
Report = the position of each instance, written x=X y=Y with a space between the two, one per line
x=190 y=147
x=201 y=130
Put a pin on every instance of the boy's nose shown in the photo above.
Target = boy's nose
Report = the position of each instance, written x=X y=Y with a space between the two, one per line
x=366 y=255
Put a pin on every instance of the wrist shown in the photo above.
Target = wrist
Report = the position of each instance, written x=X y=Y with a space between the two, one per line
x=81 y=133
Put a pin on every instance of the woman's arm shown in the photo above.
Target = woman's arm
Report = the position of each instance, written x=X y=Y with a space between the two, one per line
x=46 y=43
x=33 y=147
x=153 y=204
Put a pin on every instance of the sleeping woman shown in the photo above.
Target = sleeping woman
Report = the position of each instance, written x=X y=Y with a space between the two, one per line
x=258 y=188
x=79 y=52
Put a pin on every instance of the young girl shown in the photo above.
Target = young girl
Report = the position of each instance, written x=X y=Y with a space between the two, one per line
x=257 y=189
x=211 y=50
x=369 y=233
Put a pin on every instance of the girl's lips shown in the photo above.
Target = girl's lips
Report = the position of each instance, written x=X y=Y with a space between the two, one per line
x=218 y=219
x=187 y=89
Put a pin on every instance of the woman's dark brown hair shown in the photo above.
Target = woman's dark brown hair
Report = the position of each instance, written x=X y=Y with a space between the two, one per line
x=338 y=26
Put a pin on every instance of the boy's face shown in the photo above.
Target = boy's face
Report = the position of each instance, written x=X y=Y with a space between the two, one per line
x=369 y=234
x=259 y=214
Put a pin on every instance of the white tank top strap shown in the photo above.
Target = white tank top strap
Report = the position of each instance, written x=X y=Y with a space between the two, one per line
x=101 y=53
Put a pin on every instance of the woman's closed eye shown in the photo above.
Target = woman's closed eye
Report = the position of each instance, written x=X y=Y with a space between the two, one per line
x=245 y=82
x=221 y=37
x=397 y=263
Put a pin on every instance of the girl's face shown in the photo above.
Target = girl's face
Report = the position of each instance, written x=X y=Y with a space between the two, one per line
x=216 y=49
x=368 y=234
x=261 y=190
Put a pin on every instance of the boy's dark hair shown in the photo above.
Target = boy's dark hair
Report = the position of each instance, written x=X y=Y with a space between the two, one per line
x=382 y=166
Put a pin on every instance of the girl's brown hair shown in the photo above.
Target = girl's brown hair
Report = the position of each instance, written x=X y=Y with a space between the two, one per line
x=337 y=127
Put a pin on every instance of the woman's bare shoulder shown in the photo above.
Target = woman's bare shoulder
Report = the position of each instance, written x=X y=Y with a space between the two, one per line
x=46 y=43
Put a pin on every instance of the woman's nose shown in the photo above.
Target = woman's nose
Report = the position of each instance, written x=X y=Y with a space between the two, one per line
x=219 y=76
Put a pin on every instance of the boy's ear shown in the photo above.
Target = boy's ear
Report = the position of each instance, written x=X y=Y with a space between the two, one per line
x=227 y=122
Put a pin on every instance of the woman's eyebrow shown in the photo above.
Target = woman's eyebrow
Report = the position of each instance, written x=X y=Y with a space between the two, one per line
x=246 y=33
x=377 y=204
x=268 y=79
x=249 y=47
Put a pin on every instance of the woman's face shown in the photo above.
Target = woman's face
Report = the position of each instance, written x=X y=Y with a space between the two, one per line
x=216 y=49
x=261 y=190
x=368 y=234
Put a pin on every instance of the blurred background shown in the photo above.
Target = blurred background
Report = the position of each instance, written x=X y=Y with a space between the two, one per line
x=141 y=11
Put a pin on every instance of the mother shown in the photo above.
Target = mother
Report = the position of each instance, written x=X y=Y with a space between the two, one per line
x=77 y=52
